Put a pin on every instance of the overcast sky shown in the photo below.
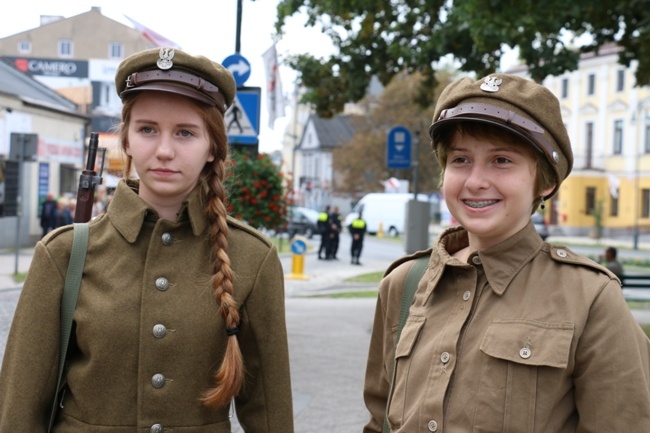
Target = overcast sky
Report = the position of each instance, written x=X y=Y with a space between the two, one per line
x=200 y=27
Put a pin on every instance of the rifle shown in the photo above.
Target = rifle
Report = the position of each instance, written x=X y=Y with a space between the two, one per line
x=88 y=181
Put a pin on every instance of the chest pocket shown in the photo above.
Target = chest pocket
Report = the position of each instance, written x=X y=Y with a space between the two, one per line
x=529 y=342
x=525 y=367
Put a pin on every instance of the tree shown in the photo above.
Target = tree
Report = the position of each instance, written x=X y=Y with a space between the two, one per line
x=384 y=38
x=361 y=163
x=257 y=191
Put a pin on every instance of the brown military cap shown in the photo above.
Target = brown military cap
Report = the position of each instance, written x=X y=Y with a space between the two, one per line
x=521 y=106
x=172 y=70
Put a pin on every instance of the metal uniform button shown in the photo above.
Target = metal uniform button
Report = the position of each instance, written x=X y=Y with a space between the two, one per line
x=562 y=253
x=476 y=260
x=467 y=295
x=167 y=239
x=432 y=425
x=525 y=352
x=162 y=284
x=159 y=331
x=445 y=357
x=157 y=428
x=158 y=381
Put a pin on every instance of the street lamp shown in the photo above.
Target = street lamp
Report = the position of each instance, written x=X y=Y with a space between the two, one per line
x=640 y=129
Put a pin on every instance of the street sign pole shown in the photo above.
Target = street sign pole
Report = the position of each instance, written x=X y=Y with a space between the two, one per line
x=19 y=200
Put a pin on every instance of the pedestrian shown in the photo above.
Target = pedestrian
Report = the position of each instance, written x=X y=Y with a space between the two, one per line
x=357 y=229
x=63 y=213
x=48 y=214
x=333 y=232
x=505 y=332
x=181 y=307
x=610 y=261
x=323 y=217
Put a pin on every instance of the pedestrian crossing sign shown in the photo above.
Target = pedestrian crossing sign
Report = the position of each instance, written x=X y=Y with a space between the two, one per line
x=243 y=117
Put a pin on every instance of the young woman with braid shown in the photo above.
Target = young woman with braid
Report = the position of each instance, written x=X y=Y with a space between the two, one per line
x=181 y=307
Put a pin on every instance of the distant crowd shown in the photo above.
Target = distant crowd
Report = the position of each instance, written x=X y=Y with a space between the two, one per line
x=59 y=211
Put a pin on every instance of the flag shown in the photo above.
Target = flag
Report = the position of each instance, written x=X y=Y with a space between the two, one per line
x=274 y=97
x=153 y=37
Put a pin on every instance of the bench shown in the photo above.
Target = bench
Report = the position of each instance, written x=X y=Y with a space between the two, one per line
x=636 y=287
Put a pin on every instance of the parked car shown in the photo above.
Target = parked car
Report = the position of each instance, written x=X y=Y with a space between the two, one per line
x=302 y=221
x=540 y=225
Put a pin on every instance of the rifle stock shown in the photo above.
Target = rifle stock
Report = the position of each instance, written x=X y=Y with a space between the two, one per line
x=88 y=181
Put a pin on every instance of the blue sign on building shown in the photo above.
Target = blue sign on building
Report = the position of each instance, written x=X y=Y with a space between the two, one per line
x=239 y=67
x=398 y=148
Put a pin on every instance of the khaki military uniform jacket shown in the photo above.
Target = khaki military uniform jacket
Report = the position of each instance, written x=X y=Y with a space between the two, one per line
x=149 y=336
x=525 y=337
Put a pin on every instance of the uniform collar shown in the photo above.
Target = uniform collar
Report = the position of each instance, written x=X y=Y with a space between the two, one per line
x=128 y=212
x=502 y=262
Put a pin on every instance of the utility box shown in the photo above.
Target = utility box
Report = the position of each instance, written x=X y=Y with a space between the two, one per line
x=418 y=217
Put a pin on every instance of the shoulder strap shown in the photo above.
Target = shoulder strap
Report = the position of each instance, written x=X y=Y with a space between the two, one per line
x=410 y=287
x=69 y=300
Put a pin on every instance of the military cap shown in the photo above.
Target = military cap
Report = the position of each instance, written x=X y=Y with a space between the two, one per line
x=521 y=106
x=175 y=71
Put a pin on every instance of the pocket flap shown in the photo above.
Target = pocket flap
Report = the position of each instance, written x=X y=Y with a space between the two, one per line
x=409 y=335
x=529 y=342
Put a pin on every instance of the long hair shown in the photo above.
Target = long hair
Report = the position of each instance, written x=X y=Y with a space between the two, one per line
x=230 y=376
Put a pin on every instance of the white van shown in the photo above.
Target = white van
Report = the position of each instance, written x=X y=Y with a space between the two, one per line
x=383 y=210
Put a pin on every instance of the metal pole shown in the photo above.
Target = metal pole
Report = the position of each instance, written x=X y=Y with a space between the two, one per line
x=238 y=34
x=637 y=205
x=19 y=201
x=415 y=162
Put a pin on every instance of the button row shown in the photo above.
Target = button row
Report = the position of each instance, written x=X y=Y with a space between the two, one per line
x=159 y=331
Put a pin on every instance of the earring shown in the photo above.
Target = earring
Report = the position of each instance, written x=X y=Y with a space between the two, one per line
x=542 y=205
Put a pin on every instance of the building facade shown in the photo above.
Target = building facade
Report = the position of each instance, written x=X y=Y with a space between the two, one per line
x=608 y=120
x=74 y=60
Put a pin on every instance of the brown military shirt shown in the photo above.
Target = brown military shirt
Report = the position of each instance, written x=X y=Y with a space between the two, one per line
x=149 y=336
x=524 y=337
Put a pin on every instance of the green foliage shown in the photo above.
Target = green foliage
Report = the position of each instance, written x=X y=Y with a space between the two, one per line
x=361 y=163
x=256 y=191
x=384 y=38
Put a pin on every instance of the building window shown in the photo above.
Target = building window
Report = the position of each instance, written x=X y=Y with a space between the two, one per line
x=115 y=50
x=24 y=47
x=618 y=137
x=620 y=80
x=589 y=143
x=645 y=203
x=591 y=84
x=613 y=205
x=565 y=88
x=590 y=200
x=646 y=146
x=65 y=48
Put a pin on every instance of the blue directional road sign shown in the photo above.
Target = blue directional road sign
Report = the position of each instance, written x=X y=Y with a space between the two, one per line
x=239 y=67
x=243 y=117
x=298 y=246
x=398 y=148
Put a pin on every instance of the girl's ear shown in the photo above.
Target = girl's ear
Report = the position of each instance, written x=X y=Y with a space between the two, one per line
x=548 y=190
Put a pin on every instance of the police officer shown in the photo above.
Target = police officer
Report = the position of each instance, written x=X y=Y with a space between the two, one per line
x=323 y=217
x=357 y=230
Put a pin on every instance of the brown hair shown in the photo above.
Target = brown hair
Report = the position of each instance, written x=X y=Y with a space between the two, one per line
x=230 y=376
x=443 y=139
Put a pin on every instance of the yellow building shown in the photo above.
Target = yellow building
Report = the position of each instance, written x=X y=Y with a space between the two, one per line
x=608 y=121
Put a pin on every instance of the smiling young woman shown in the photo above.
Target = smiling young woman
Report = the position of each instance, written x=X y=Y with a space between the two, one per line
x=505 y=332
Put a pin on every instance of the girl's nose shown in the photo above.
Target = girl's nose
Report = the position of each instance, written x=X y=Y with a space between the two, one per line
x=477 y=178
x=165 y=149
